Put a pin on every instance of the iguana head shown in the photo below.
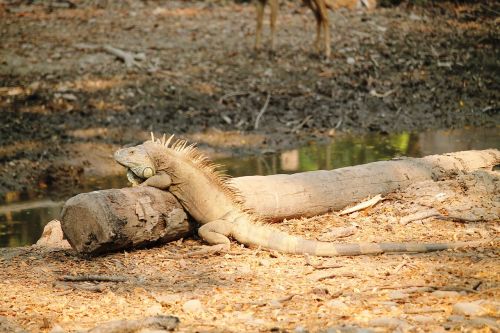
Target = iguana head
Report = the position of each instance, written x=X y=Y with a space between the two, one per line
x=139 y=163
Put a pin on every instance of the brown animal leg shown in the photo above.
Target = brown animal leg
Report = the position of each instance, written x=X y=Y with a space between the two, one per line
x=325 y=21
x=261 y=4
x=274 y=15
x=317 y=43
x=313 y=5
x=326 y=34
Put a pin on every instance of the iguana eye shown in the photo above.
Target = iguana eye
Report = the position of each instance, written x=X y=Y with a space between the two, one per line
x=147 y=172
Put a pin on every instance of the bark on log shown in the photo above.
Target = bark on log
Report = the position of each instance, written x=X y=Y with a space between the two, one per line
x=102 y=221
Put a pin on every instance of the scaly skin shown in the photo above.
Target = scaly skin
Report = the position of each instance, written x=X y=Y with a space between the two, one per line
x=206 y=195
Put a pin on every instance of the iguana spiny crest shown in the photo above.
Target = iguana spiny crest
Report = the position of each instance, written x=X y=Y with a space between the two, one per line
x=164 y=156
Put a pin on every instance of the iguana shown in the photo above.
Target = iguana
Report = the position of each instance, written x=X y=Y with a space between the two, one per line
x=210 y=199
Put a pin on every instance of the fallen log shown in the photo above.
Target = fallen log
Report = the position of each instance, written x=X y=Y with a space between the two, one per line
x=108 y=220
x=313 y=193
x=103 y=221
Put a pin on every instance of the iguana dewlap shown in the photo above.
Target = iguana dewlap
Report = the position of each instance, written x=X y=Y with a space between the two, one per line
x=208 y=197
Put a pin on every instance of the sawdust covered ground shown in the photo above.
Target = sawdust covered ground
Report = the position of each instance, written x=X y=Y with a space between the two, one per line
x=66 y=104
x=251 y=290
x=256 y=290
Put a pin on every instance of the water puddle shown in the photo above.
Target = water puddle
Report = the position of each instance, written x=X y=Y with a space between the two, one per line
x=23 y=215
x=351 y=150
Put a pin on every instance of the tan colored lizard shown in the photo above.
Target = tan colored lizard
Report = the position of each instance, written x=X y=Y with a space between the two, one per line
x=206 y=194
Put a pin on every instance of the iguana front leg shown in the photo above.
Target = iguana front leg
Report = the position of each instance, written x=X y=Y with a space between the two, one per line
x=160 y=180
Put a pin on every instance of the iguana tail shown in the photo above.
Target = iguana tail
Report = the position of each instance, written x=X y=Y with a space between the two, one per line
x=262 y=235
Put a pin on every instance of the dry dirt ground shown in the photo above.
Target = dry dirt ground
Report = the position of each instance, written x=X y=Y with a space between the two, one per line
x=67 y=103
x=252 y=290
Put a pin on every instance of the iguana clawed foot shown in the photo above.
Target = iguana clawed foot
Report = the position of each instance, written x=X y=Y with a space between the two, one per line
x=216 y=232
x=160 y=180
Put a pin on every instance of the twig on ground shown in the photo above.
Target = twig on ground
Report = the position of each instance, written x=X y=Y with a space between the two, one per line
x=446 y=64
x=338 y=232
x=327 y=266
x=156 y=323
x=307 y=257
x=372 y=58
x=301 y=124
x=102 y=278
x=362 y=205
x=64 y=292
x=85 y=46
x=401 y=265
x=233 y=94
x=274 y=301
x=98 y=288
x=401 y=286
x=419 y=216
x=413 y=290
x=423 y=310
x=285 y=298
x=421 y=287
x=373 y=92
x=261 y=112
x=219 y=248
x=62 y=5
x=127 y=57
x=490 y=9
x=458 y=217
x=334 y=275
x=457 y=289
x=432 y=212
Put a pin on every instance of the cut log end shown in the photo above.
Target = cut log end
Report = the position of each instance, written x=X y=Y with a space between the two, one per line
x=104 y=221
